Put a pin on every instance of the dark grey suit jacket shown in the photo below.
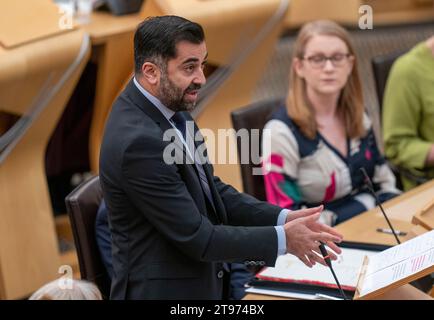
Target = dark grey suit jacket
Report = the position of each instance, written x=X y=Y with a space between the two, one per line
x=168 y=241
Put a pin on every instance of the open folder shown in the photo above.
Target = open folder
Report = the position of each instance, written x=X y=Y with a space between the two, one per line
x=364 y=273
x=396 y=266
x=292 y=275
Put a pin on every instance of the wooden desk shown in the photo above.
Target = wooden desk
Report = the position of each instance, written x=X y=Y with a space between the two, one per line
x=400 y=211
x=103 y=25
x=347 y=11
x=29 y=254
x=113 y=51
x=362 y=228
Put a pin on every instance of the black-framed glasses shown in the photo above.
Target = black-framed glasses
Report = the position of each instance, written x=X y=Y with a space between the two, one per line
x=319 y=60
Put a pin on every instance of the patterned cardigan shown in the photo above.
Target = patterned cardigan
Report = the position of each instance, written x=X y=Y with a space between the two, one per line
x=302 y=172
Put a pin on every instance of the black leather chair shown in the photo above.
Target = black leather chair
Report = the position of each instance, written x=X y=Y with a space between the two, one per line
x=381 y=66
x=253 y=116
x=82 y=206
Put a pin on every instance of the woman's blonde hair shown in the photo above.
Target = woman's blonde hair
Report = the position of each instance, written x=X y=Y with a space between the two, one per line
x=350 y=104
x=77 y=290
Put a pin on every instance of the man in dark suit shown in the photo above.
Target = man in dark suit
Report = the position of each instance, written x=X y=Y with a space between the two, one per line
x=239 y=273
x=175 y=226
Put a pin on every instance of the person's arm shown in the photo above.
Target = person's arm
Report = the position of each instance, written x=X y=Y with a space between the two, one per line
x=303 y=236
x=402 y=112
x=243 y=209
x=158 y=192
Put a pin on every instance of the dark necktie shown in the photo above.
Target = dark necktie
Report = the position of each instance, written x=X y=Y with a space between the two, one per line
x=181 y=124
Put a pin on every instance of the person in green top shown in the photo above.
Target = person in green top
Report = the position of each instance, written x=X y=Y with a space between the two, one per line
x=408 y=112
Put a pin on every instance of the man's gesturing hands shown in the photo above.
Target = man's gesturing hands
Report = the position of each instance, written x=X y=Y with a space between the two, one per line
x=304 y=233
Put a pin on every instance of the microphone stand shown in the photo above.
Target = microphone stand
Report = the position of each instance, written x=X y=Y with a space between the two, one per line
x=328 y=261
x=370 y=187
x=322 y=248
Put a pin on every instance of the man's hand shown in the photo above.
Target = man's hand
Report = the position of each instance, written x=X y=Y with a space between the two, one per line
x=292 y=215
x=304 y=233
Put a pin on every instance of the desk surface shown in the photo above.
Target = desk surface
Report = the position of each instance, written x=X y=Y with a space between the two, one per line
x=362 y=228
x=104 y=25
x=400 y=211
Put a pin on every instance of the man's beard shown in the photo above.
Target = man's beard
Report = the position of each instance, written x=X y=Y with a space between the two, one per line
x=173 y=97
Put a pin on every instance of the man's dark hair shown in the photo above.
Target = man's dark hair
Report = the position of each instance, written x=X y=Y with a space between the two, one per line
x=156 y=39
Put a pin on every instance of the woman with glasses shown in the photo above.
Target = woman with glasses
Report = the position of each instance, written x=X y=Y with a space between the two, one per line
x=315 y=146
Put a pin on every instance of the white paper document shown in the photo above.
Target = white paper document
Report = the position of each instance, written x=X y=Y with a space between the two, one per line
x=289 y=268
x=399 y=262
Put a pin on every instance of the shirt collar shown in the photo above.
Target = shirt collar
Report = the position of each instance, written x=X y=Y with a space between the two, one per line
x=167 y=113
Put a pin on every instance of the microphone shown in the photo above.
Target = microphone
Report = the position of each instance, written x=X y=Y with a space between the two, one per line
x=370 y=187
x=328 y=261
